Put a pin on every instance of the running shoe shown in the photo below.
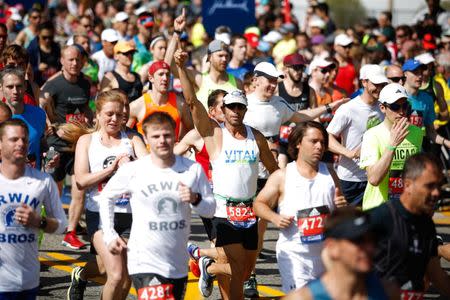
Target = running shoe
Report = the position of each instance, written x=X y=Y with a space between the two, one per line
x=251 y=287
x=71 y=240
x=205 y=282
x=194 y=267
x=194 y=251
x=77 y=286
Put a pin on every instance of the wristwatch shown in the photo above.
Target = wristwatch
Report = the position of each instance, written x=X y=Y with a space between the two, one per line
x=43 y=223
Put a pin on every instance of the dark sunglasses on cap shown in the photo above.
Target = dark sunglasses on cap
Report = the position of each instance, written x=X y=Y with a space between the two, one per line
x=397 y=107
x=233 y=106
x=397 y=79
x=326 y=70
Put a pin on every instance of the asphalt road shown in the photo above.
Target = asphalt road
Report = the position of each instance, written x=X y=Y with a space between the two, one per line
x=57 y=262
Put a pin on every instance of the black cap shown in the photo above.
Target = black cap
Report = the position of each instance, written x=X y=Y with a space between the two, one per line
x=351 y=228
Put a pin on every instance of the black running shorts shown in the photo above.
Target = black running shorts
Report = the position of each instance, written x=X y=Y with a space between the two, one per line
x=227 y=234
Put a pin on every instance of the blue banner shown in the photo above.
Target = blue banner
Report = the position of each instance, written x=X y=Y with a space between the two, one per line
x=236 y=14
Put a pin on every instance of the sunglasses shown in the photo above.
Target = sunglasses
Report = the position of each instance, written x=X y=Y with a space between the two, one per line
x=47 y=37
x=348 y=46
x=35 y=17
x=397 y=107
x=128 y=53
x=233 y=106
x=397 y=79
x=326 y=70
x=297 y=67
x=400 y=36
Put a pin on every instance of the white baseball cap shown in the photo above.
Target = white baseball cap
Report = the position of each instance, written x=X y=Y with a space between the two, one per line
x=120 y=17
x=425 y=58
x=110 y=35
x=342 y=40
x=318 y=62
x=373 y=73
x=317 y=22
x=266 y=68
x=272 y=37
x=236 y=96
x=392 y=92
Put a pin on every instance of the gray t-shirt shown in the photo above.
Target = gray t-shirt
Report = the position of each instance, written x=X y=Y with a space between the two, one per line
x=350 y=122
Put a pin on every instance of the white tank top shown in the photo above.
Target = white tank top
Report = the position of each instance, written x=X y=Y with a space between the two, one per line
x=235 y=171
x=100 y=157
x=309 y=197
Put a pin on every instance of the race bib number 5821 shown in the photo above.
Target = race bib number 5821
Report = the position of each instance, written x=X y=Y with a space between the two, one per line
x=310 y=222
x=156 y=292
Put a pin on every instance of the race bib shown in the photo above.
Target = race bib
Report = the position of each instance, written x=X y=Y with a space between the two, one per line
x=241 y=214
x=75 y=118
x=122 y=201
x=156 y=292
x=411 y=295
x=416 y=119
x=285 y=131
x=395 y=187
x=310 y=222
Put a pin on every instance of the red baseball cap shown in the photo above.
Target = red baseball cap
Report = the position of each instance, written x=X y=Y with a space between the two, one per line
x=157 y=65
x=429 y=42
x=294 y=59
x=252 y=39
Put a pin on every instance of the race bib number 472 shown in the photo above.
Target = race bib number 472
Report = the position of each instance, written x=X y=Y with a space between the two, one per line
x=156 y=292
x=310 y=222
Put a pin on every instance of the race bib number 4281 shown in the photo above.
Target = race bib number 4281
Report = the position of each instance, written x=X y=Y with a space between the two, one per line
x=310 y=222
x=156 y=292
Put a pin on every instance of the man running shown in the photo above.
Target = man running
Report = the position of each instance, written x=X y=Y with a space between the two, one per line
x=408 y=250
x=234 y=150
x=349 y=247
x=23 y=192
x=349 y=124
x=386 y=146
x=305 y=193
x=164 y=188
x=160 y=99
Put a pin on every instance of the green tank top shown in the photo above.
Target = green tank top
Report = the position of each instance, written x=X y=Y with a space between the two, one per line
x=208 y=86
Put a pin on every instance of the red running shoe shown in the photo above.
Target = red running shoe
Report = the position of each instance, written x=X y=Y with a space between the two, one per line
x=71 y=240
x=193 y=266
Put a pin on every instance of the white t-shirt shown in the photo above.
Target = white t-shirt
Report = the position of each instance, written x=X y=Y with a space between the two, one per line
x=267 y=116
x=161 y=222
x=19 y=264
x=105 y=64
x=350 y=122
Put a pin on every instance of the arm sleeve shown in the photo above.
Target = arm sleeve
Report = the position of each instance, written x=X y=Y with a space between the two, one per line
x=369 y=150
x=53 y=205
x=207 y=206
x=118 y=184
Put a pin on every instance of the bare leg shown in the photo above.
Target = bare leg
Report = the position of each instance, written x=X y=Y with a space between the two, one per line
x=76 y=206
x=116 y=270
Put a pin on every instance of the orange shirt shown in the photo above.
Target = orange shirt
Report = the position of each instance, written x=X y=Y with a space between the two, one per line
x=170 y=107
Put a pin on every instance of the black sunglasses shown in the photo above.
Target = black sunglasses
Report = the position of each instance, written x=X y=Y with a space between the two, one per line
x=47 y=37
x=128 y=53
x=348 y=46
x=397 y=79
x=397 y=107
x=326 y=70
x=233 y=106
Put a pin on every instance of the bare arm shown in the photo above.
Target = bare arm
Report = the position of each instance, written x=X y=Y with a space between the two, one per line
x=438 y=276
x=311 y=114
x=186 y=119
x=443 y=109
x=134 y=111
x=20 y=39
x=189 y=141
x=47 y=104
x=312 y=98
x=435 y=137
x=265 y=154
x=336 y=147
x=377 y=171
x=268 y=199
x=138 y=146
x=83 y=176
x=108 y=82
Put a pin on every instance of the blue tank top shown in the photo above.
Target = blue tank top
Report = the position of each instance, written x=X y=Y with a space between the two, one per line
x=375 y=289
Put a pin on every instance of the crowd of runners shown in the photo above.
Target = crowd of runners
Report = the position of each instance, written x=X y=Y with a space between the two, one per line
x=339 y=137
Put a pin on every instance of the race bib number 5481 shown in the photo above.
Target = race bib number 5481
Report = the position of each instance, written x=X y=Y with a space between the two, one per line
x=156 y=292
